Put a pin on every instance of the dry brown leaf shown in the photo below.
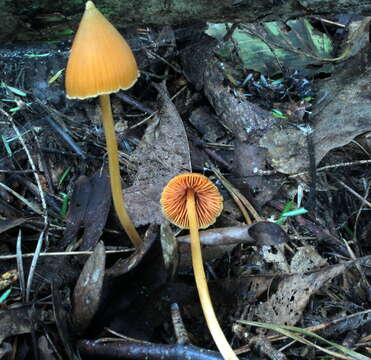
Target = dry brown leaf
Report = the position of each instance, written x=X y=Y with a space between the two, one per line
x=125 y=265
x=342 y=113
x=90 y=204
x=143 y=203
x=162 y=154
x=275 y=255
x=287 y=304
x=8 y=224
x=14 y=322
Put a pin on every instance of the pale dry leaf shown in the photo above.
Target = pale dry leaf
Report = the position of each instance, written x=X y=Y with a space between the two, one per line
x=274 y=255
x=162 y=154
x=287 y=304
x=305 y=259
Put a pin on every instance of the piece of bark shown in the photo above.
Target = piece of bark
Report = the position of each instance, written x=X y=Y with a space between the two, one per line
x=261 y=233
x=223 y=240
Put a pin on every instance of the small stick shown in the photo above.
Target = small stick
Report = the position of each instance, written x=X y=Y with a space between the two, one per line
x=135 y=350
x=63 y=253
x=179 y=328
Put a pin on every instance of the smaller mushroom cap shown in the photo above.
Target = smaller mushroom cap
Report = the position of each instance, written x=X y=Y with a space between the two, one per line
x=101 y=61
x=209 y=202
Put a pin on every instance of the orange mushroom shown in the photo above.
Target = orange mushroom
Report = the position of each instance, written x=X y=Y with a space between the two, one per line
x=101 y=62
x=192 y=201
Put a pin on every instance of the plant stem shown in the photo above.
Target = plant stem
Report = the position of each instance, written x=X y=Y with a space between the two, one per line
x=114 y=171
x=202 y=288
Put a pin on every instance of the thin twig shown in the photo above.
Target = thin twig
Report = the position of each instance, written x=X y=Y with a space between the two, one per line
x=21 y=198
x=16 y=171
x=323 y=168
x=364 y=201
x=179 y=328
x=63 y=133
x=334 y=166
x=21 y=276
x=134 y=349
x=156 y=112
x=315 y=328
x=61 y=253
x=235 y=193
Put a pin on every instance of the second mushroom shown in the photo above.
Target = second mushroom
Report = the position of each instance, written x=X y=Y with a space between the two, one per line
x=192 y=201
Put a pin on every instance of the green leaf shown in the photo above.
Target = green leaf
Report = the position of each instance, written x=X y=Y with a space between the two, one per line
x=255 y=54
x=286 y=209
x=64 y=175
x=65 y=32
x=5 y=295
x=15 y=90
x=64 y=208
x=37 y=55
x=295 y=212
x=6 y=145
x=278 y=114
x=55 y=76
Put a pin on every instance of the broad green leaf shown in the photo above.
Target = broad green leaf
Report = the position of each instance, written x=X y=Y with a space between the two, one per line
x=295 y=45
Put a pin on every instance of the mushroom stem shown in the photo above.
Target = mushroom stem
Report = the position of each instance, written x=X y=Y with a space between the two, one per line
x=202 y=288
x=114 y=171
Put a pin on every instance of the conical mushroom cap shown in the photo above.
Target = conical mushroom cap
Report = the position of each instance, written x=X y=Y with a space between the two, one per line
x=101 y=61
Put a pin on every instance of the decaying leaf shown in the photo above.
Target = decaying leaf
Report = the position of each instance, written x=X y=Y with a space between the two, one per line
x=8 y=278
x=143 y=203
x=342 y=112
x=90 y=204
x=305 y=259
x=275 y=255
x=163 y=151
x=11 y=223
x=169 y=249
x=125 y=265
x=287 y=304
x=14 y=322
x=162 y=154
x=295 y=44
x=86 y=296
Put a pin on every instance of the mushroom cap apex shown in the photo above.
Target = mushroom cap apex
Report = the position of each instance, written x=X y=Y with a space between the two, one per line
x=89 y=5
x=101 y=61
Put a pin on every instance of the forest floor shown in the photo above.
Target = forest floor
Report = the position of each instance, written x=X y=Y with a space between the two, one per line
x=288 y=261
